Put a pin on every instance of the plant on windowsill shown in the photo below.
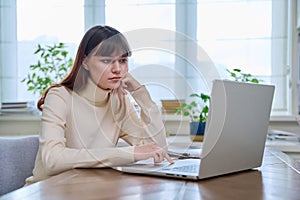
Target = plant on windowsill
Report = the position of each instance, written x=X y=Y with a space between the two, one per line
x=52 y=66
x=197 y=111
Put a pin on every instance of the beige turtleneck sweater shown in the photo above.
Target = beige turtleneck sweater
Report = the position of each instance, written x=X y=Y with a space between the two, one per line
x=81 y=130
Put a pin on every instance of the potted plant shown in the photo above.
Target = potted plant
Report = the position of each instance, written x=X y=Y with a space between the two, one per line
x=52 y=66
x=197 y=111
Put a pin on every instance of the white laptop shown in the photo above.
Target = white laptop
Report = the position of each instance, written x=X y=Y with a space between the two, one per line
x=234 y=139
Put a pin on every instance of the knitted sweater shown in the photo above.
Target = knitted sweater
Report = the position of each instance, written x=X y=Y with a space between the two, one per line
x=81 y=130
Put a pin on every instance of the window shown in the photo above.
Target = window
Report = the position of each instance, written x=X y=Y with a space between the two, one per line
x=143 y=21
x=37 y=22
x=250 y=35
x=255 y=36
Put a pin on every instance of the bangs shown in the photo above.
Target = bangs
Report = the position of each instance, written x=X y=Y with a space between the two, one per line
x=116 y=45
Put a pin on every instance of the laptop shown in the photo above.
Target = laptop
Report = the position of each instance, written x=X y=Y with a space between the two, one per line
x=235 y=135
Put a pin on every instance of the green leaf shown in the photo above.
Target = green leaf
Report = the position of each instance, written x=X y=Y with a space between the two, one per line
x=205 y=109
x=254 y=80
x=61 y=45
x=183 y=104
x=195 y=95
x=186 y=113
x=204 y=97
x=55 y=53
x=64 y=53
x=193 y=103
x=177 y=110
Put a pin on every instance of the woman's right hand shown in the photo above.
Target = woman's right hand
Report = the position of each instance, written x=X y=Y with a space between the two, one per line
x=151 y=150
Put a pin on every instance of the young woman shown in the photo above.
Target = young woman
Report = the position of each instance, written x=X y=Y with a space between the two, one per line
x=84 y=116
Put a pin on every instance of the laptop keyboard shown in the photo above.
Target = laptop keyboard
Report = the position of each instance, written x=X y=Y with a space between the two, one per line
x=185 y=168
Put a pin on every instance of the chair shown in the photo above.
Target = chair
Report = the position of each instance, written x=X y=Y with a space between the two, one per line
x=17 y=158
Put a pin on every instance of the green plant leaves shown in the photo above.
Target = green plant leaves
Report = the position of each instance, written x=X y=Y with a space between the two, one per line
x=194 y=110
x=51 y=67
x=239 y=76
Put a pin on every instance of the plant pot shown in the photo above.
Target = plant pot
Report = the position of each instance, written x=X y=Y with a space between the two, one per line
x=197 y=131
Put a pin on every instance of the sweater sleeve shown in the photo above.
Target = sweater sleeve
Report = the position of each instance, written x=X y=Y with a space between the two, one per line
x=149 y=126
x=56 y=156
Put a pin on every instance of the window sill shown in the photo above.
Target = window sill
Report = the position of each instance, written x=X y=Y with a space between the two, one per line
x=284 y=118
x=20 y=117
x=19 y=124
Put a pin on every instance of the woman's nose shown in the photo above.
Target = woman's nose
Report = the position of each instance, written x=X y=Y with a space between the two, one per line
x=116 y=68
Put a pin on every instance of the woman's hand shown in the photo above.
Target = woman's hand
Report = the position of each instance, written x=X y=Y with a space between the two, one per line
x=127 y=83
x=151 y=150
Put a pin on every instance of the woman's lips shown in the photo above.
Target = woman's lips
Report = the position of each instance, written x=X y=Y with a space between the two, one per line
x=115 y=79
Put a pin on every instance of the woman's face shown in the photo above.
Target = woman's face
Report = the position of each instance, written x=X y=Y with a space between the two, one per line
x=106 y=71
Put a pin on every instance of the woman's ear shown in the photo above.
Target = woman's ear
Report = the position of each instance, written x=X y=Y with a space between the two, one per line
x=84 y=64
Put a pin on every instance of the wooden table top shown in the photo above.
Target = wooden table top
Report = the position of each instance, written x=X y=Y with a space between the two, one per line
x=277 y=178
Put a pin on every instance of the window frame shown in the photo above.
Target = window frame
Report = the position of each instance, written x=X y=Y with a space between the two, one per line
x=185 y=23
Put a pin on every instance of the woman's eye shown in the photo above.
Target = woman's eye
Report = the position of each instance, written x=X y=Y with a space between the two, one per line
x=106 y=61
x=123 y=60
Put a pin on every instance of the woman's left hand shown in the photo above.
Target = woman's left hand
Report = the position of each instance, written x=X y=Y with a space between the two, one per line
x=127 y=83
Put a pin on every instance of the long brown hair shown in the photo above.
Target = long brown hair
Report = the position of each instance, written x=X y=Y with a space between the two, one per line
x=78 y=75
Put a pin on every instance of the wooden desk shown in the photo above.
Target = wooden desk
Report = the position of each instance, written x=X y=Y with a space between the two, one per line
x=275 y=179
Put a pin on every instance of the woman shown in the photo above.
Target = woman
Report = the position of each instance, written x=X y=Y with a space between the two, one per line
x=84 y=116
